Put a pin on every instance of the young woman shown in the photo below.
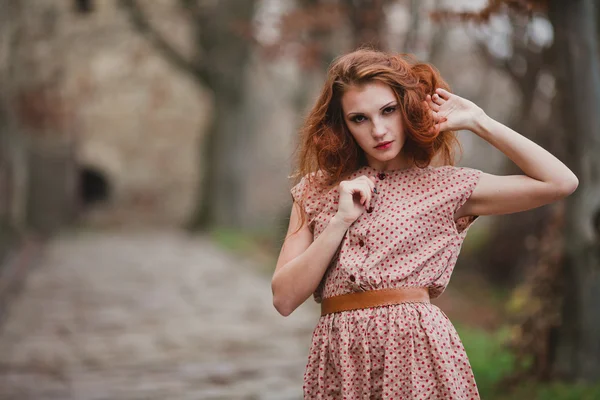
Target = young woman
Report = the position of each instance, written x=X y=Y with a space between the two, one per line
x=378 y=220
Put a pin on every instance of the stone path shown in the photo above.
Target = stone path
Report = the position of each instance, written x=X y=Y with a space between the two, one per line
x=155 y=315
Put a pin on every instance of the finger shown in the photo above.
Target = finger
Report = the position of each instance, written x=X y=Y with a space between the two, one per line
x=370 y=180
x=443 y=93
x=437 y=99
x=363 y=189
x=368 y=192
x=436 y=114
x=355 y=192
x=443 y=126
x=363 y=198
x=433 y=115
x=431 y=104
x=372 y=183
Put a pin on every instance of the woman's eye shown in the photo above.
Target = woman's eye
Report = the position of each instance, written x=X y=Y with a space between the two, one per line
x=358 y=118
x=389 y=110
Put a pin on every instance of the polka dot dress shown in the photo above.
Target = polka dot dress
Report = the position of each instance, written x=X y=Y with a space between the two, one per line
x=408 y=237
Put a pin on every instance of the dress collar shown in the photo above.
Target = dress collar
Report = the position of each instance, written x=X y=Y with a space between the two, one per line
x=369 y=169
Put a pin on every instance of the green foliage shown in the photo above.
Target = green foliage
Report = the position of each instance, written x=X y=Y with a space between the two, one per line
x=563 y=391
x=256 y=244
x=233 y=240
x=488 y=356
x=552 y=391
x=491 y=361
x=477 y=237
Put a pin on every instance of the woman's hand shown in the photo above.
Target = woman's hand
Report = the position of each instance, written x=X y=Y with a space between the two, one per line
x=355 y=197
x=451 y=112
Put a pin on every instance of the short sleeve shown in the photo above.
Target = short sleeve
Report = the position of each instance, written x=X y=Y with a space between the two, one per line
x=299 y=190
x=305 y=193
x=463 y=182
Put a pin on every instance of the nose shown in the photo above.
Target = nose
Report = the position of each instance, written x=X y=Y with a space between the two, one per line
x=379 y=128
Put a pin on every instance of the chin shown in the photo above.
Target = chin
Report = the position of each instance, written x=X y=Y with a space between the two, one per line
x=386 y=157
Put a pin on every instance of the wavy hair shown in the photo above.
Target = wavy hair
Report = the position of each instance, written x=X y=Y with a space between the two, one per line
x=325 y=142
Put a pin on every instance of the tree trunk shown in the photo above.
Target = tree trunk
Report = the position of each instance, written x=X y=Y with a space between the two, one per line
x=7 y=222
x=367 y=20
x=13 y=154
x=576 y=345
x=225 y=52
x=222 y=52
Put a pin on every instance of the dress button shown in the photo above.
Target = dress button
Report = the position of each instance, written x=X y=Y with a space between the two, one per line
x=381 y=175
x=361 y=243
x=352 y=278
x=370 y=209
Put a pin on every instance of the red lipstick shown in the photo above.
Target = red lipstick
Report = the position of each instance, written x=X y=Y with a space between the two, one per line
x=384 y=145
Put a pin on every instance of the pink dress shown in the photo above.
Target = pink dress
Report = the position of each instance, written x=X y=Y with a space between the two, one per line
x=409 y=238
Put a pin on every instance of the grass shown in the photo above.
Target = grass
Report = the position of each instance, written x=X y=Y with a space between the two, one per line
x=258 y=245
x=491 y=361
x=489 y=358
x=551 y=391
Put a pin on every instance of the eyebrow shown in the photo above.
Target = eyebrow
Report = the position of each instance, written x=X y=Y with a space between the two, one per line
x=382 y=107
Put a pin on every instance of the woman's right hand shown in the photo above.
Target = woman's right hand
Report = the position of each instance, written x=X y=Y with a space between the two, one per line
x=355 y=197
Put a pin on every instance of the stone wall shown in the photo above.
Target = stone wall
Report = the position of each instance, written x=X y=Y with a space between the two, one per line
x=132 y=120
x=138 y=120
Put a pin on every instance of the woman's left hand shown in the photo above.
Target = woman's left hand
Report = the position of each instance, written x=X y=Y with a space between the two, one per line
x=451 y=112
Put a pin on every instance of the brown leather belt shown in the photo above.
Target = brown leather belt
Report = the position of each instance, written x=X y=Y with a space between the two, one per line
x=374 y=298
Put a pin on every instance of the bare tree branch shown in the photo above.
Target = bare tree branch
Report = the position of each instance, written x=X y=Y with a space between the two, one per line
x=438 y=38
x=534 y=63
x=192 y=7
x=491 y=8
x=496 y=62
x=366 y=18
x=412 y=33
x=140 y=21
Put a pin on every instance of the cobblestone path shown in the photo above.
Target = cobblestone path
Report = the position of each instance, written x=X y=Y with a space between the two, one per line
x=158 y=315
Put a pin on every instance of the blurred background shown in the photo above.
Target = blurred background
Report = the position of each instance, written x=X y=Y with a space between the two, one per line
x=145 y=154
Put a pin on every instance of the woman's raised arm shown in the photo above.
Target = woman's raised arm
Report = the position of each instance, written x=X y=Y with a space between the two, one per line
x=546 y=178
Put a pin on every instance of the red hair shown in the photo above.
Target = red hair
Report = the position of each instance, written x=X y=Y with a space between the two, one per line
x=326 y=144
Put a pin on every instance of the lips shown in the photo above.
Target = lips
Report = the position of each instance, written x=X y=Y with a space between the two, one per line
x=382 y=144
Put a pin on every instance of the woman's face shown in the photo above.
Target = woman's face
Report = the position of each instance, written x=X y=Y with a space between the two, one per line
x=373 y=116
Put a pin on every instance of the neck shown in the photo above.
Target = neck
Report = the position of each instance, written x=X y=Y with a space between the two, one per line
x=391 y=165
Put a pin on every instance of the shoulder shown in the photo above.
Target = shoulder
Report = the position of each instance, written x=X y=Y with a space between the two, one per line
x=313 y=193
x=310 y=186
x=443 y=170
x=456 y=183
x=315 y=181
